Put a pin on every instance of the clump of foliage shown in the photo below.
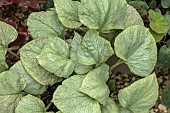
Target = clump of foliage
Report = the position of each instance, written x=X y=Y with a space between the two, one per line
x=101 y=29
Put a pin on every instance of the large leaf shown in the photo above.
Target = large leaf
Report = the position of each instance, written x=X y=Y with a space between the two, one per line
x=94 y=49
x=141 y=95
x=11 y=85
x=165 y=3
x=137 y=48
x=141 y=6
x=7 y=35
x=158 y=23
x=164 y=57
x=79 y=68
x=55 y=58
x=68 y=99
x=103 y=14
x=28 y=53
x=95 y=81
x=30 y=104
x=110 y=107
x=165 y=95
x=132 y=17
x=68 y=12
x=32 y=86
x=44 y=24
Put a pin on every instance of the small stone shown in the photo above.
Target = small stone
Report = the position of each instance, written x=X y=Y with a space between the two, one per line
x=161 y=107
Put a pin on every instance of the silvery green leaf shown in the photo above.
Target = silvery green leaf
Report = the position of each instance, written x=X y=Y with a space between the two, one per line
x=137 y=48
x=44 y=24
x=167 y=17
x=132 y=17
x=11 y=85
x=95 y=81
x=68 y=99
x=28 y=54
x=3 y=65
x=104 y=15
x=110 y=107
x=68 y=12
x=165 y=3
x=32 y=86
x=94 y=49
x=79 y=68
x=140 y=96
x=55 y=58
x=30 y=104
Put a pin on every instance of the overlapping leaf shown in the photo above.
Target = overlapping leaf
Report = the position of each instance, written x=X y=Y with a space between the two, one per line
x=68 y=99
x=137 y=48
x=140 y=96
x=167 y=16
x=55 y=58
x=104 y=15
x=67 y=11
x=28 y=53
x=79 y=68
x=95 y=81
x=132 y=17
x=11 y=85
x=165 y=95
x=44 y=24
x=94 y=49
x=32 y=86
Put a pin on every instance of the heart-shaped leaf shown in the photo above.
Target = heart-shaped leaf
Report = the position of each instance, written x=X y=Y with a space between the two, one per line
x=55 y=58
x=32 y=86
x=158 y=23
x=110 y=107
x=104 y=15
x=79 y=68
x=68 y=12
x=132 y=17
x=11 y=85
x=44 y=24
x=68 y=99
x=137 y=48
x=94 y=49
x=28 y=54
x=140 y=96
x=30 y=104
x=95 y=81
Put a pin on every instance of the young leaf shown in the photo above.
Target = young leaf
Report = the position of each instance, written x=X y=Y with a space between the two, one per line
x=79 y=68
x=132 y=17
x=68 y=99
x=44 y=24
x=158 y=23
x=137 y=47
x=165 y=95
x=158 y=37
x=30 y=104
x=68 y=12
x=28 y=54
x=165 y=3
x=104 y=15
x=95 y=81
x=55 y=58
x=94 y=49
x=164 y=57
x=32 y=86
x=11 y=85
x=110 y=107
x=141 y=95
x=141 y=6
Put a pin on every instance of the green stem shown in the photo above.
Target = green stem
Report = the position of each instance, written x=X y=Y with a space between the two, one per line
x=14 y=54
x=47 y=107
x=116 y=64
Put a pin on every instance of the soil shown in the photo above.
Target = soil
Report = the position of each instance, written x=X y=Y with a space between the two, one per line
x=18 y=15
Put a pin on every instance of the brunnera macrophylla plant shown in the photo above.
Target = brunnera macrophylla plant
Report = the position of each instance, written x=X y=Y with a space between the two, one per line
x=49 y=58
